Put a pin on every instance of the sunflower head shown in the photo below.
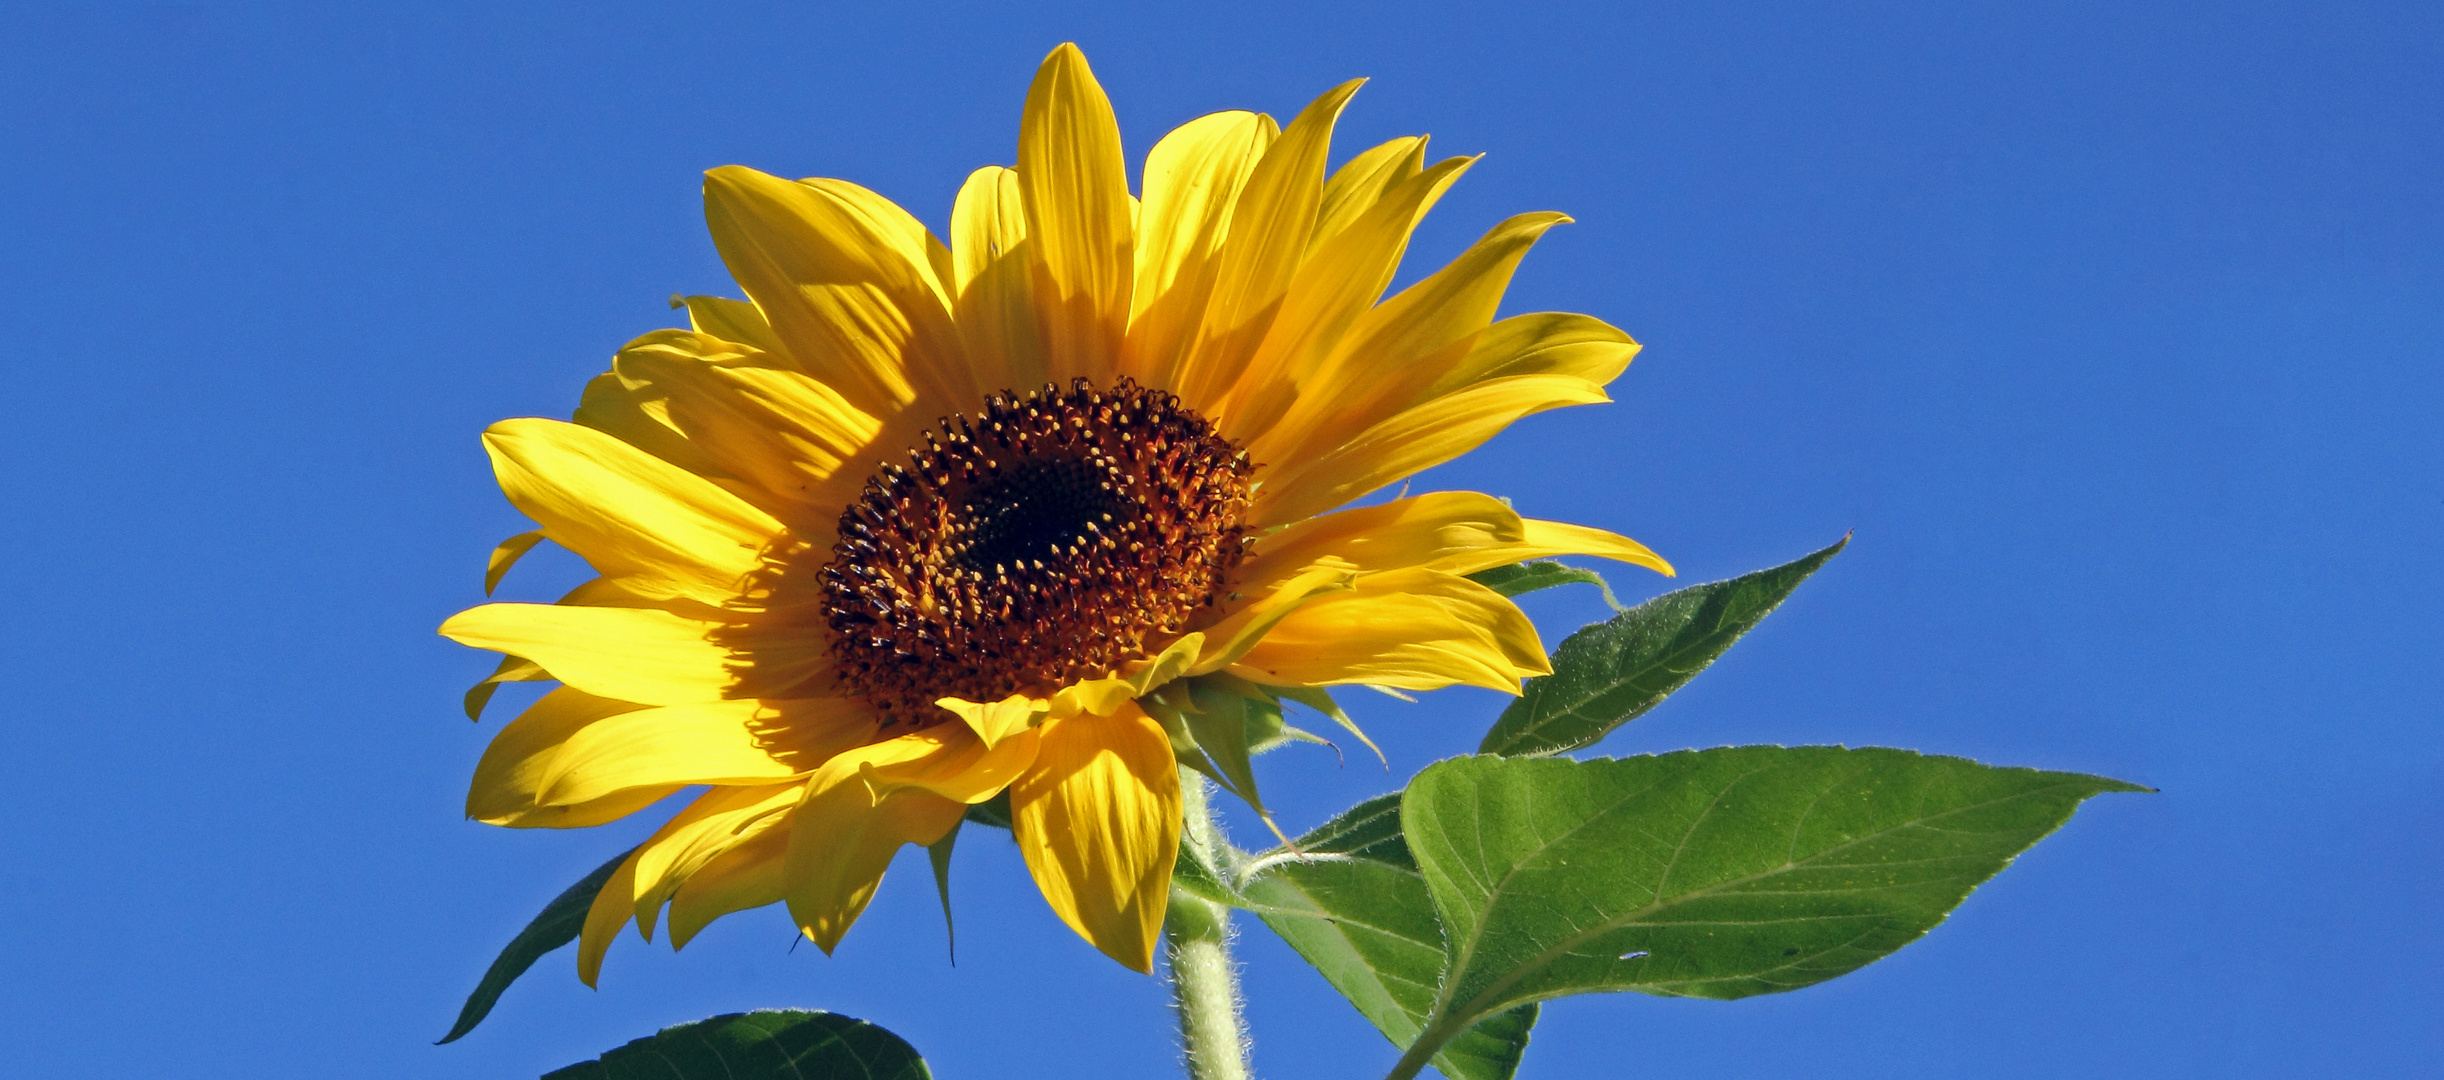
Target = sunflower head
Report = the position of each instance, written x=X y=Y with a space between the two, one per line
x=918 y=524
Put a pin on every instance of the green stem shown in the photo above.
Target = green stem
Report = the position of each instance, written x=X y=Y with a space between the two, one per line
x=1204 y=982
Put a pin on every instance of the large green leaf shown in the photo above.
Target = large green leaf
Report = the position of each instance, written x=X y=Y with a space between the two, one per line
x=1608 y=674
x=1705 y=873
x=556 y=926
x=769 y=1044
x=1351 y=902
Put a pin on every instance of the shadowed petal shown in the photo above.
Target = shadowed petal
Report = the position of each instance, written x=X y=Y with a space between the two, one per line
x=1098 y=822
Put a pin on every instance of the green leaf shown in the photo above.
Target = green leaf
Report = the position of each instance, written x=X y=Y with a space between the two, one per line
x=1369 y=830
x=1609 y=674
x=769 y=1044
x=1351 y=902
x=1704 y=873
x=556 y=926
x=1527 y=577
x=1491 y=1049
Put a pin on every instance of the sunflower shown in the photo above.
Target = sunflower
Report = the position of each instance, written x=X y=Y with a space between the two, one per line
x=919 y=525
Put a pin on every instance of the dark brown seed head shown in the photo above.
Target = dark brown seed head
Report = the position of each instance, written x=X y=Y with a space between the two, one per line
x=1051 y=538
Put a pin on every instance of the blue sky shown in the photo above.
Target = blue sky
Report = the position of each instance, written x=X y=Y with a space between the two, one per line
x=2111 y=329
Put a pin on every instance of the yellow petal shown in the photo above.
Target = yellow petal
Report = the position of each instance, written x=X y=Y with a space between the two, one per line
x=1238 y=632
x=1407 y=532
x=925 y=253
x=632 y=654
x=1098 y=822
x=1000 y=720
x=860 y=305
x=782 y=431
x=1102 y=697
x=987 y=219
x=1193 y=175
x=719 y=742
x=1544 y=343
x=711 y=824
x=1362 y=181
x=624 y=592
x=994 y=268
x=864 y=803
x=717 y=821
x=1344 y=278
x=748 y=875
x=1410 y=629
x=1393 y=352
x=841 y=839
x=995 y=721
x=1549 y=538
x=1459 y=532
x=512 y=669
x=934 y=371
x=1075 y=185
x=513 y=772
x=1270 y=225
x=1412 y=441
x=806 y=732
x=773 y=655
x=737 y=321
x=626 y=512
x=612 y=908
x=610 y=407
x=506 y=556
x=948 y=760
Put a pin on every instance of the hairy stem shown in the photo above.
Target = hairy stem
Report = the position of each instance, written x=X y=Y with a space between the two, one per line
x=1196 y=933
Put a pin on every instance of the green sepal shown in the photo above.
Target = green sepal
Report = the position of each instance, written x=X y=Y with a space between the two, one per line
x=1527 y=577
x=557 y=925
x=769 y=1044
x=1226 y=726
x=1192 y=874
x=1217 y=724
x=1317 y=698
x=1207 y=865
x=1169 y=708
x=938 y=854
x=1267 y=728
x=994 y=812
x=1610 y=673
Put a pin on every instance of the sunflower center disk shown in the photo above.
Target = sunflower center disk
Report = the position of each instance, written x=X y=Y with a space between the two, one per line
x=1052 y=538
